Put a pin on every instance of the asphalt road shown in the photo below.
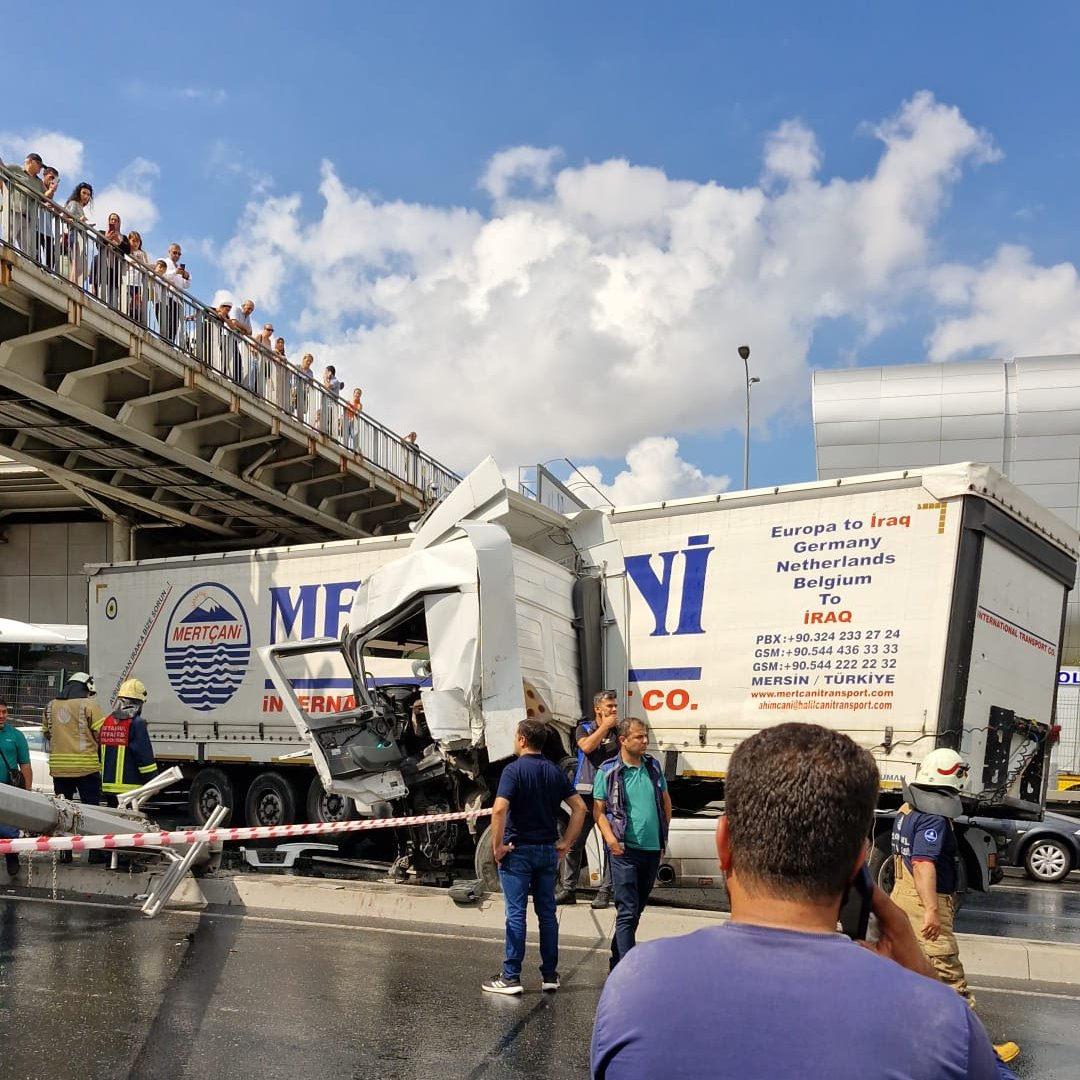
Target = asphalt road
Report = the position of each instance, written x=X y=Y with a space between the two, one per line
x=1018 y=907
x=90 y=991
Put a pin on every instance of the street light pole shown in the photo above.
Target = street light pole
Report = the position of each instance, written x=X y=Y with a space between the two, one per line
x=744 y=354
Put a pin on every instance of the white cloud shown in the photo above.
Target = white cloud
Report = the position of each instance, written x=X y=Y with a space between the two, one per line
x=1009 y=306
x=654 y=472
x=129 y=195
x=792 y=152
x=528 y=163
x=56 y=149
x=227 y=159
x=141 y=90
x=212 y=95
x=603 y=300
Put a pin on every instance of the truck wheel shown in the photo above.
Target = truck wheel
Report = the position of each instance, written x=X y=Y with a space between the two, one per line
x=326 y=807
x=484 y=865
x=880 y=862
x=1047 y=859
x=692 y=798
x=270 y=800
x=210 y=789
x=961 y=885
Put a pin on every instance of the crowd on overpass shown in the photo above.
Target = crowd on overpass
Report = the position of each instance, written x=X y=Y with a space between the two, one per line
x=114 y=266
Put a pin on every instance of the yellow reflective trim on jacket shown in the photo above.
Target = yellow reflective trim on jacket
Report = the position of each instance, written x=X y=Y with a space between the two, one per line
x=148 y=768
x=65 y=766
x=116 y=784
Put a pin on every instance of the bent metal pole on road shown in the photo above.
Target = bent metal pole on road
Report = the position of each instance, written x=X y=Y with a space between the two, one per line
x=183 y=837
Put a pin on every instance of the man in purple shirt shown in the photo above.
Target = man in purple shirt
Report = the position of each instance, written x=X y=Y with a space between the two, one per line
x=778 y=992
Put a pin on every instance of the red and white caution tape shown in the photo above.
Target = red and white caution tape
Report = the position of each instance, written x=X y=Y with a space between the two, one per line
x=184 y=837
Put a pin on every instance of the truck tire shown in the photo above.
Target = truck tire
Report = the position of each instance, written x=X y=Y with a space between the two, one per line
x=880 y=861
x=961 y=885
x=270 y=800
x=324 y=808
x=882 y=870
x=693 y=798
x=210 y=789
x=484 y=865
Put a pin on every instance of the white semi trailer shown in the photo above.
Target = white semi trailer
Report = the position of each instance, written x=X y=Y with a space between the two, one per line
x=910 y=610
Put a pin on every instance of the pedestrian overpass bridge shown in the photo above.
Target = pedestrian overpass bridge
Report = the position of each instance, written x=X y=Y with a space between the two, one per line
x=134 y=399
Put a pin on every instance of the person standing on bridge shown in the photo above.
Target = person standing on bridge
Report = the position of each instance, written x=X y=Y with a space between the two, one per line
x=73 y=263
x=925 y=867
x=176 y=274
x=72 y=722
x=24 y=208
x=127 y=755
x=303 y=379
x=526 y=845
x=353 y=409
x=597 y=742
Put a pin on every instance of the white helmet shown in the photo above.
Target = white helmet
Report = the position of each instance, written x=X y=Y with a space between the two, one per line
x=942 y=768
x=86 y=680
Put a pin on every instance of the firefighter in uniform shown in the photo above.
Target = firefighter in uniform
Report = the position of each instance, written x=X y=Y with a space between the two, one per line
x=925 y=859
x=72 y=722
x=127 y=756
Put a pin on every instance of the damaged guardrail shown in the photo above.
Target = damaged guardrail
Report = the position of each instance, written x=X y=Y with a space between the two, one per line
x=45 y=814
x=182 y=837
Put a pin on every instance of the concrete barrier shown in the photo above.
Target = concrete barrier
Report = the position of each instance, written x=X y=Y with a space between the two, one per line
x=75 y=881
x=1009 y=958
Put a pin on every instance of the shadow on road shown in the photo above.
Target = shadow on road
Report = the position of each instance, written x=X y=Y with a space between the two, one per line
x=174 y=1032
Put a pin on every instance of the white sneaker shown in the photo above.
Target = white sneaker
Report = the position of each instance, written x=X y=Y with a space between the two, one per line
x=502 y=985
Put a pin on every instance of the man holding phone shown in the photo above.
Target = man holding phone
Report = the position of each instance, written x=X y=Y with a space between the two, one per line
x=597 y=742
x=777 y=992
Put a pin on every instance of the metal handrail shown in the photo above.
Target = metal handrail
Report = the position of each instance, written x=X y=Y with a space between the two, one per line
x=59 y=244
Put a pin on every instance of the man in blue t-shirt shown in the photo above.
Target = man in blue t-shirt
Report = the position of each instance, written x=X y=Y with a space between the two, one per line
x=525 y=842
x=14 y=769
x=778 y=992
x=597 y=742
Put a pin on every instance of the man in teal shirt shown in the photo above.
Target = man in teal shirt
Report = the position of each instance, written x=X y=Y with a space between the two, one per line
x=632 y=808
x=14 y=769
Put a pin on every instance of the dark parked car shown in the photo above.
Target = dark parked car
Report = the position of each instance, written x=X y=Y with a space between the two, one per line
x=1048 y=850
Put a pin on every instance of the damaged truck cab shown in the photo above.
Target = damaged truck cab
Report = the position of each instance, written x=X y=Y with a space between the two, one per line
x=499 y=610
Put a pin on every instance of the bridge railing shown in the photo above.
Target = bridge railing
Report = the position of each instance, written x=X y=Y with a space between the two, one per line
x=49 y=237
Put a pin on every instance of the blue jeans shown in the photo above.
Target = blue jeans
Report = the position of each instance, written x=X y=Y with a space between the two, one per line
x=633 y=874
x=530 y=868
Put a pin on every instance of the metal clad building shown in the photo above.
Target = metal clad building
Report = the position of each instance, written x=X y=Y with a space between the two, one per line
x=1022 y=416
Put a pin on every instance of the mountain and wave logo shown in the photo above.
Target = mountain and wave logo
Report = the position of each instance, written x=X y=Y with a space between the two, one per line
x=207 y=646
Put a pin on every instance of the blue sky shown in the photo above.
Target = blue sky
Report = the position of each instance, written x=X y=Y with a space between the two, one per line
x=231 y=108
